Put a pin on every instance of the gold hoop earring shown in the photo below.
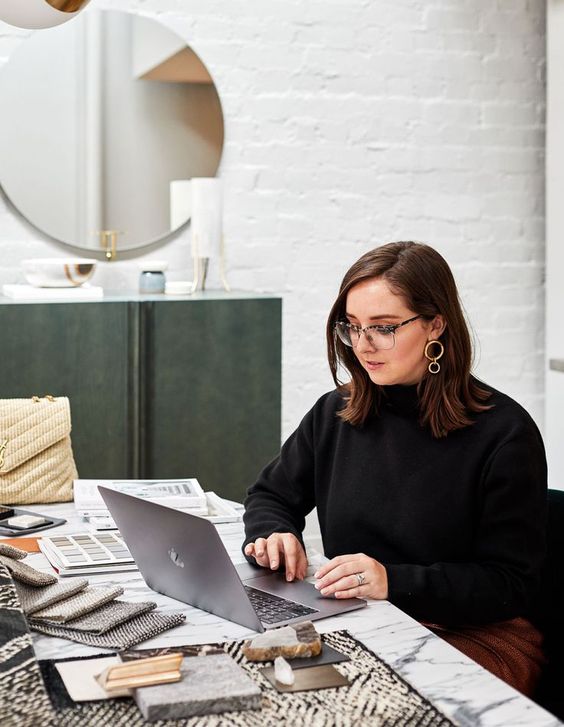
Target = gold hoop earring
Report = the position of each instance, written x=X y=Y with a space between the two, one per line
x=434 y=367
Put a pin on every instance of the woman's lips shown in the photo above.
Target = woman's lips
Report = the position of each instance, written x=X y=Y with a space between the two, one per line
x=373 y=365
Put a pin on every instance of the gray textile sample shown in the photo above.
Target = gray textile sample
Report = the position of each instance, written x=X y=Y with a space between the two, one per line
x=104 y=618
x=209 y=684
x=10 y=552
x=121 y=637
x=76 y=606
x=33 y=599
x=26 y=574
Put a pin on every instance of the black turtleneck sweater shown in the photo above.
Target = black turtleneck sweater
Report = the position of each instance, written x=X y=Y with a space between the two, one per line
x=458 y=522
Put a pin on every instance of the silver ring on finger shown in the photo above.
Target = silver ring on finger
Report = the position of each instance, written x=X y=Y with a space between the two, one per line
x=360 y=578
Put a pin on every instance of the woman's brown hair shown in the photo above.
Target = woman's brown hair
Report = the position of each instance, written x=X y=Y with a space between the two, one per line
x=423 y=278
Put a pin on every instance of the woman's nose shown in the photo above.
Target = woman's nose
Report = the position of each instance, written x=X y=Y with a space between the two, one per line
x=365 y=342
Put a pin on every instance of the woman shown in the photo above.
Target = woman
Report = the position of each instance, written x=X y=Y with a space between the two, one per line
x=430 y=486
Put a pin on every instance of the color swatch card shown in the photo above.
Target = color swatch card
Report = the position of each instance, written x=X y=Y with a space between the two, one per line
x=85 y=553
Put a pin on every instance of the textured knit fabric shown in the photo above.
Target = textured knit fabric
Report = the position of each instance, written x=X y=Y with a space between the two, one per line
x=76 y=606
x=26 y=574
x=10 y=552
x=512 y=650
x=121 y=637
x=458 y=522
x=103 y=619
x=33 y=599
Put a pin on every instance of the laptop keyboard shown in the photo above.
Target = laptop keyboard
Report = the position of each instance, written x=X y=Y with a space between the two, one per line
x=272 y=609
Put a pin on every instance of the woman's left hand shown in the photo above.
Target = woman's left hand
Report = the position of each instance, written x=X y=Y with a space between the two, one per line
x=349 y=576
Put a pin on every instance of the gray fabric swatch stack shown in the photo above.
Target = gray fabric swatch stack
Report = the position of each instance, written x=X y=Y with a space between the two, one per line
x=72 y=610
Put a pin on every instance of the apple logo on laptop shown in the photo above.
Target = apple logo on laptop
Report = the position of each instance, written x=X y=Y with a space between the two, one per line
x=176 y=559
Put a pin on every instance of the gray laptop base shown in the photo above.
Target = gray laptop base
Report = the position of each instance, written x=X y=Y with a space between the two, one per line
x=182 y=556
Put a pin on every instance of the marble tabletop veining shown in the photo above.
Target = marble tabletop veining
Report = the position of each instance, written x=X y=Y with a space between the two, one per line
x=469 y=695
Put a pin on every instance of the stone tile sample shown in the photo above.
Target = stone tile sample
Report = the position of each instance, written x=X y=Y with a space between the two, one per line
x=209 y=685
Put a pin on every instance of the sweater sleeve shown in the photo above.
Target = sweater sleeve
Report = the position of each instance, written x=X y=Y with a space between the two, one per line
x=284 y=492
x=501 y=577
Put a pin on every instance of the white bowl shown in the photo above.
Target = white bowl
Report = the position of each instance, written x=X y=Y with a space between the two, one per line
x=58 y=272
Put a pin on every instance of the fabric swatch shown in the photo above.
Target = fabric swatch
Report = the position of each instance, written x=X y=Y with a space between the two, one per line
x=33 y=599
x=76 y=606
x=105 y=618
x=11 y=552
x=25 y=573
x=121 y=637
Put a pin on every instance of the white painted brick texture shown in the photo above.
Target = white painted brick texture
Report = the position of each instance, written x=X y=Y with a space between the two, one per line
x=350 y=123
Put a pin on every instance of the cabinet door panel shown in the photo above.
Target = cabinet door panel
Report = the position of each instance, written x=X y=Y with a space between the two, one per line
x=81 y=351
x=212 y=379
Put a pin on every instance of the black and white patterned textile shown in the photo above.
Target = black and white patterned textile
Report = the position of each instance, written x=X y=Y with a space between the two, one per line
x=23 y=697
x=377 y=697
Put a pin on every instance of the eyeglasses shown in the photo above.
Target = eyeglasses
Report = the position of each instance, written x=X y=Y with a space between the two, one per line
x=380 y=337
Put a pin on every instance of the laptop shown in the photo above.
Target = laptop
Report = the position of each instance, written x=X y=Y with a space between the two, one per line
x=182 y=556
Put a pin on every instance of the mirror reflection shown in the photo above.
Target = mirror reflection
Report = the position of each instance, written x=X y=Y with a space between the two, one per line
x=99 y=118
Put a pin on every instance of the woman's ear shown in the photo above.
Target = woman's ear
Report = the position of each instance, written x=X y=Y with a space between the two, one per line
x=438 y=325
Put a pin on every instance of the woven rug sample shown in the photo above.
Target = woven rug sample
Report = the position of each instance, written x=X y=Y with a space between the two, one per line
x=79 y=605
x=23 y=697
x=26 y=574
x=376 y=697
x=128 y=634
x=33 y=599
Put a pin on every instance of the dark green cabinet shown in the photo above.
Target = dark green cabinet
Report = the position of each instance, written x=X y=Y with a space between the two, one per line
x=158 y=387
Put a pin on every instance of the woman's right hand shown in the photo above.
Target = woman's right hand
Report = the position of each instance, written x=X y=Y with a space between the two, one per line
x=277 y=549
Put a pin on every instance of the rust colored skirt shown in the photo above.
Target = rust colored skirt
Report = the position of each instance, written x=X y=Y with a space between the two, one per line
x=512 y=650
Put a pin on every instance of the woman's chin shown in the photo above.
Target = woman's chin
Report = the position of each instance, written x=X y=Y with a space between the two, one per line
x=380 y=375
x=384 y=376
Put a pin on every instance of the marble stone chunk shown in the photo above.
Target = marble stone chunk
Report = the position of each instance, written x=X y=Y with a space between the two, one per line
x=284 y=636
x=299 y=640
x=209 y=685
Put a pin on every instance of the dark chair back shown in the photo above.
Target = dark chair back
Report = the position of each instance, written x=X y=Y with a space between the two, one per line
x=549 y=611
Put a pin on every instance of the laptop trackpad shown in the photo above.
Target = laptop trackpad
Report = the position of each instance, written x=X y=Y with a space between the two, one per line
x=246 y=571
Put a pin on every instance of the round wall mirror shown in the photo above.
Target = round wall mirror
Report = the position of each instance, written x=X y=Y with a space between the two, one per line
x=103 y=122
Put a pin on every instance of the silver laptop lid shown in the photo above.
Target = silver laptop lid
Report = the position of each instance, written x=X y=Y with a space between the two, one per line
x=181 y=556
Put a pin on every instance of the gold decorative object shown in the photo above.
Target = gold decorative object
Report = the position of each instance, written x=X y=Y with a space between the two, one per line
x=68 y=6
x=108 y=241
x=142 y=673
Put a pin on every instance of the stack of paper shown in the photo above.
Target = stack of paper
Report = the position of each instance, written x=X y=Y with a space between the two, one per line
x=183 y=494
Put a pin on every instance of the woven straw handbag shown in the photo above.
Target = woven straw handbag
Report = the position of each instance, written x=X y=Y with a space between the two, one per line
x=36 y=461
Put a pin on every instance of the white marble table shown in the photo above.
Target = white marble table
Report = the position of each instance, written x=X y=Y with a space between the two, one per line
x=469 y=695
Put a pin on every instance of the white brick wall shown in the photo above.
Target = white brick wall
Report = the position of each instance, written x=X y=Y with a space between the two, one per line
x=350 y=123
